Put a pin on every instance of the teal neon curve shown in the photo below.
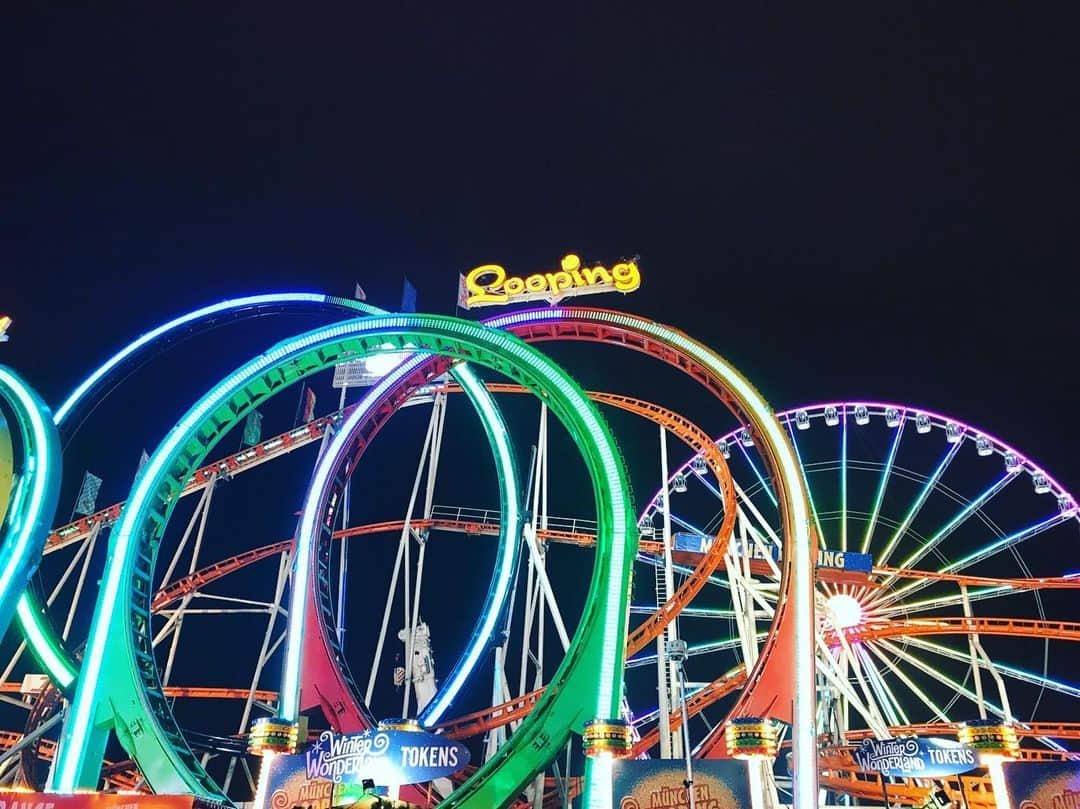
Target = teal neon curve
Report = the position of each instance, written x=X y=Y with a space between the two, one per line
x=33 y=499
x=122 y=691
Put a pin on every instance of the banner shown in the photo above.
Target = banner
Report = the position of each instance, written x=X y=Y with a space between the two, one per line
x=94 y=800
x=253 y=428
x=408 y=297
x=658 y=784
x=86 y=502
x=309 y=406
x=912 y=757
x=1043 y=784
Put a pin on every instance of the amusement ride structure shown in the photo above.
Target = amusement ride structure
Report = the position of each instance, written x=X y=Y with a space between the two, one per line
x=822 y=575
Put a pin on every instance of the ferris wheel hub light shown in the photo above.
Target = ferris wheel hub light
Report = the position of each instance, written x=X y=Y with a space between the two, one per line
x=844 y=611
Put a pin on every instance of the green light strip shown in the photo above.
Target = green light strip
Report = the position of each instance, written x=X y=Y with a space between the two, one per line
x=886 y=473
x=920 y=499
x=593 y=664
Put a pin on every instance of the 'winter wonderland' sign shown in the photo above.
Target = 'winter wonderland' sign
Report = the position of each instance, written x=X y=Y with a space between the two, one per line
x=385 y=756
x=914 y=757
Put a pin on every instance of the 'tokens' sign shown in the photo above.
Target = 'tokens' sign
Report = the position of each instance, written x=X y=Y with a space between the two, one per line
x=912 y=757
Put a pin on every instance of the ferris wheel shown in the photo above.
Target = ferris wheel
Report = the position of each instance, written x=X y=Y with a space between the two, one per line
x=943 y=581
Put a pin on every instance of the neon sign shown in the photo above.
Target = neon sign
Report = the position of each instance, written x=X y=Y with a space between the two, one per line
x=914 y=757
x=489 y=284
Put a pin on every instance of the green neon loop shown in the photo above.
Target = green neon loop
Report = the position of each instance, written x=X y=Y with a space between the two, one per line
x=122 y=691
x=33 y=501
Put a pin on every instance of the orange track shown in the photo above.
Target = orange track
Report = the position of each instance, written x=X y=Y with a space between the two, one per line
x=121 y=779
x=714 y=691
x=1056 y=730
x=1048 y=583
x=193 y=692
x=1016 y=627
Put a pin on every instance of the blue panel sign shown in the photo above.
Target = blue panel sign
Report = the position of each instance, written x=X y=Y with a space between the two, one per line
x=912 y=757
x=385 y=756
x=690 y=543
x=844 y=560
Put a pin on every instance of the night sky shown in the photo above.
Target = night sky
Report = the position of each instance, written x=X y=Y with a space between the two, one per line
x=862 y=202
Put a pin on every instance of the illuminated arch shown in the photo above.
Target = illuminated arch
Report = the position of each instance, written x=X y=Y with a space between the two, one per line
x=33 y=498
x=123 y=692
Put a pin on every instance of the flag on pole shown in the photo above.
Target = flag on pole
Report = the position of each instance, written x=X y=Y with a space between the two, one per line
x=360 y=295
x=253 y=428
x=309 y=405
x=86 y=502
x=142 y=462
x=408 y=297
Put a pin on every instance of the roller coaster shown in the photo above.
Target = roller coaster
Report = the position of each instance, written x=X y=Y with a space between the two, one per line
x=843 y=571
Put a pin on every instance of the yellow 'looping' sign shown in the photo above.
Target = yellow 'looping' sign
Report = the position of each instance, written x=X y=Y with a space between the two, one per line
x=488 y=284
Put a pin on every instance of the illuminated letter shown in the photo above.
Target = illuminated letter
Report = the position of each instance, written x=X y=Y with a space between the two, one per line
x=627 y=276
x=513 y=286
x=558 y=281
x=596 y=275
x=536 y=283
x=483 y=293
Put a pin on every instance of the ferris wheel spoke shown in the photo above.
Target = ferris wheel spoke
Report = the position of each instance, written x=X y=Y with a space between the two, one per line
x=831 y=669
x=926 y=668
x=886 y=698
x=957 y=520
x=873 y=702
x=999 y=545
x=920 y=500
x=912 y=686
x=806 y=483
x=746 y=505
x=883 y=482
x=1029 y=677
x=757 y=472
x=948 y=600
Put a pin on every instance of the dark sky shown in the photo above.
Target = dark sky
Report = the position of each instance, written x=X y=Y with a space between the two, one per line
x=869 y=202
x=865 y=201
